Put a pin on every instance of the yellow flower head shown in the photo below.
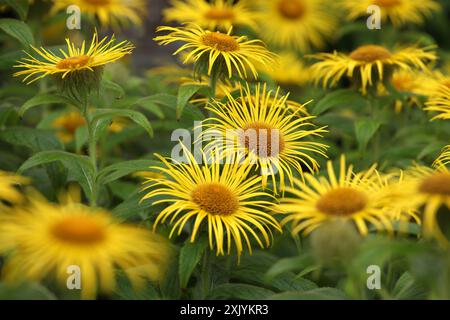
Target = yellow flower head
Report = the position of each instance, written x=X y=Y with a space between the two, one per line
x=297 y=24
x=398 y=12
x=264 y=128
x=68 y=124
x=288 y=69
x=8 y=188
x=225 y=200
x=407 y=82
x=368 y=64
x=440 y=103
x=110 y=13
x=428 y=188
x=444 y=157
x=74 y=61
x=43 y=240
x=357 y=197
x=215 y=14
x=217 y=49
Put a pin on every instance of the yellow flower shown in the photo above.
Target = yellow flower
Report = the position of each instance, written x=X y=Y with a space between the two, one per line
x=428 y=188
x=398 y=12
x=118 y=124
x=44 y=239
x=75 y=61
x=444 y=157
x=357 y=197
x=406 y=82
x=114 y=13
x=8 y=188
x=297 y=24
x=265 y=129
x=432 y=81
x=440 y=102
x=368 y=64
x=288 y=69
x=227 y=199
x=236 y=54
x=215 y=14
x=68 y=124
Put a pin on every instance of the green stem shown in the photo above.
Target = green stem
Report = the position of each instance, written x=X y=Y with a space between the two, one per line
x=92 y=150
x=205 y=276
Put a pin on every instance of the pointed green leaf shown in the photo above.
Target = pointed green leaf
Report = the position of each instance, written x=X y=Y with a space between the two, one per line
x=79 y=167
x=343 y=98
x=136 y=116
x=365 y=130
x=190 y=255
x=185 y=92
x=19 y=6
x=44 y=99
x=19 y=30
x=121 y=169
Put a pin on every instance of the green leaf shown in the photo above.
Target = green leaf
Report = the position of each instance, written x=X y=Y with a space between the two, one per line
x=34 y=139
x=79 y=167
x=289 y=264
x=81 y=138
x=114 y=87
x=185 y=92
x=136 y=116
x=19 y=6
x=315 y=294
x=407 y=288
x=44 y=99
x=340 y=98
x=240 y=291
x=19 y=30
x=365 y=130
x=25 y=291
x=121 y=169
x=190 y=255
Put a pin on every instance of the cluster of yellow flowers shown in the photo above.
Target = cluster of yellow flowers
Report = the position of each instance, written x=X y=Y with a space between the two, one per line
x=231 y=202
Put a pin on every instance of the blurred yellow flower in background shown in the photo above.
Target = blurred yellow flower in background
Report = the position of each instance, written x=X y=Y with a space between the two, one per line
x=440 y=103
x=288 y=69
x=357 y=197
x=233 y=53
x=227 y=198
x=8 y=188
x=74 y=61
x=296 y=24
x=398 y=12
x=281 y=136
x=110 y=13
x=368 y=64
x=430 y=188
x=215 y=14
x=42 y=240
x=67 y=125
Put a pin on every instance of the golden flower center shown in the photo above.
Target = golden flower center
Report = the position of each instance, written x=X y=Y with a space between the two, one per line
x=262 y=139
x=439 y=184
x=219 y=14
x=342 y=201
x=220 y=41
x=387 y=3
x=403 y=83
x=370 y=53
x=291 y=9
x=78 y=230
x=215 y=199
x=73 y=62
